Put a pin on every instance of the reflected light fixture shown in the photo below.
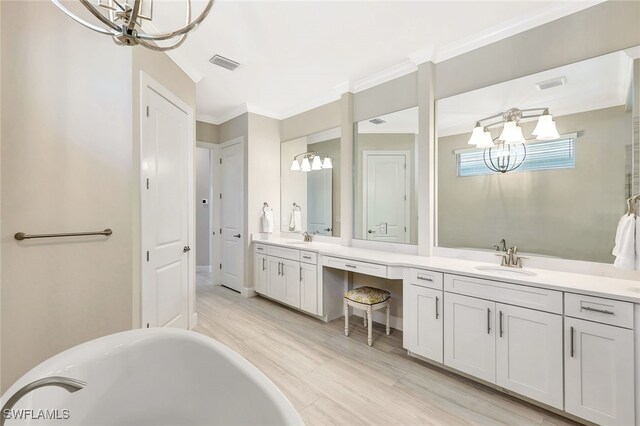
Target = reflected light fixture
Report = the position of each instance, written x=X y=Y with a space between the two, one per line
x=507 y=152
x=123 y=21
x=311 y=161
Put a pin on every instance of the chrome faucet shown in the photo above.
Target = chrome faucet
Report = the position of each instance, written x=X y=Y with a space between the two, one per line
x=307 y=237
x=502 y=246
x=66 y=383
x=510 y=258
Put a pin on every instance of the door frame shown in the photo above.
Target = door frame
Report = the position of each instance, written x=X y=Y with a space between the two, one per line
x=218 y=167
x=407 y=191
x=146 y=82
x=215 y=205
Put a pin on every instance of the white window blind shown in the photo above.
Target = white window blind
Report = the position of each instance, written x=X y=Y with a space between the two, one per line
x=557 y=154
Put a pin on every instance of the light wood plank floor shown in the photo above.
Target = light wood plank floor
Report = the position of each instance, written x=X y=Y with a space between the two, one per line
x=336 y=380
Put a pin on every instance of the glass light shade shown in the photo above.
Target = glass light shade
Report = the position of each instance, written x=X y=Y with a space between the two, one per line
x=295 y=166
x=306 y=167
x=512 y=133
x=546 y=128
x=486 y=140
x=316 y=164
x=476 y=135
x=326 y=164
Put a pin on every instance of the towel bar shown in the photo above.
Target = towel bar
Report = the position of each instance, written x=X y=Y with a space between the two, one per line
x=22 y=236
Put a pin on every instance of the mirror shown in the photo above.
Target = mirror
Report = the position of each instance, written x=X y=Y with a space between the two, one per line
x=310 y=184
x=385 y=189
x=551 y=191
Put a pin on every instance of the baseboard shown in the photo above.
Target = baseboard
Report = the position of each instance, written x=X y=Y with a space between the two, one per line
x=381 y=318
x=249 y=292
x=203 y=268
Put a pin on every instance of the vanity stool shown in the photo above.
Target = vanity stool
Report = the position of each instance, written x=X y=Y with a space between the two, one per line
x=368 y=299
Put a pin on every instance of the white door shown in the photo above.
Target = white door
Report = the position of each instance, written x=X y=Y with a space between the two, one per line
x=386 y=192
x=320 y=200
x=599 y=372
x=232 y=206
x=469 y=336
x=424 y=327
x=290 y=274
x=309 y=288
x=529 y=353
x=261 y=273
x=165 y=218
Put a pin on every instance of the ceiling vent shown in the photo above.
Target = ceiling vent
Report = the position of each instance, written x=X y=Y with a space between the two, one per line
x=554 y=82
x=223 y=62
x=377 y=121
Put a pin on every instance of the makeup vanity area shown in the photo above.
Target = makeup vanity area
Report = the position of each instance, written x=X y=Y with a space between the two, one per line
x=568 y=341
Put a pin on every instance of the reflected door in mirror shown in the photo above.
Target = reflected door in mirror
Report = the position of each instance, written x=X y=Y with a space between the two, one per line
x=320 y=199
x=386 y=191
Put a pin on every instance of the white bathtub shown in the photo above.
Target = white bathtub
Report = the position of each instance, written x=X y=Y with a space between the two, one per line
x=156 y=377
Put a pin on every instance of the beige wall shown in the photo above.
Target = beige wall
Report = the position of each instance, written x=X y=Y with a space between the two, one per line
x=569 y=213
x=66 y=166
x=207 y=132
x=385 y=142
x=324 y=117
x=395 y=95
x=202 y=162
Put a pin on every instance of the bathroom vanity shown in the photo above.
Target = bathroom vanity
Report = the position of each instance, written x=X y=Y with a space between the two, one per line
x=567 y=341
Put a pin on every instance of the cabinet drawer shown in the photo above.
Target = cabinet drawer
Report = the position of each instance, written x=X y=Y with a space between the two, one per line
x=356 y=266
x=597 y=309
x=284 y=253
x=309 y=257
x=261 y=249
x=425 y=278
x=512 y=294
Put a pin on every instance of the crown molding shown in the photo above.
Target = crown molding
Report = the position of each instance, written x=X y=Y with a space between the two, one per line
x=311 y=104
x=385 y=75
x=207 y=119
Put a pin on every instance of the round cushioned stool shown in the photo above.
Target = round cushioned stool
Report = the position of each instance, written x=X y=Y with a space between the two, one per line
x=368 y=299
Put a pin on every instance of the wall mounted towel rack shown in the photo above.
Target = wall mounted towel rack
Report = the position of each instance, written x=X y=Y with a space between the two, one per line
x=631 y=204
x=22 y=236
x=296 y=206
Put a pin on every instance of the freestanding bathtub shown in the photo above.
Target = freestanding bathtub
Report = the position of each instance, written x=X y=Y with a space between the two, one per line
x=154 y=377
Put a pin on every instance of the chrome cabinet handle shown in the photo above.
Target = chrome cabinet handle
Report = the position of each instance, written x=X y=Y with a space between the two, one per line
x=501 y=329
x=572 y=350
x=602 y=311
x=301 y=274
x=488 y=321
x=306 y=257
x=425 y=278
x=437 y=312
x=264 y=259
x=279 y=264
x=282 y=269
x=350 y=266
x=237 y=235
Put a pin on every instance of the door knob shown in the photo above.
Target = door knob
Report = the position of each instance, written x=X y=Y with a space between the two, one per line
x=327 y=229
x=237 y=235
x=186 y=249
x=371 y=231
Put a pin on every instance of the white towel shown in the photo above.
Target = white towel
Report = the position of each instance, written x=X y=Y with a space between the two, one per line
x=267 y=220
x=295 y=222
x=625 y=248
x=637 y=244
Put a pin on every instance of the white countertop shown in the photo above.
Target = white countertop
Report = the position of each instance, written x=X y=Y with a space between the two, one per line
x=613 y=288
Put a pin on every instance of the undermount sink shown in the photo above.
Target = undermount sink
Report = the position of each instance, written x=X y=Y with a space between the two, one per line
x=301 y=243
x=503 y=270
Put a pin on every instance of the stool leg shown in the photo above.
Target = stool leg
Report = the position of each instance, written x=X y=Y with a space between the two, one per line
x=369 y=321
x=346 y=318
x=364 y=319
x=388 y=314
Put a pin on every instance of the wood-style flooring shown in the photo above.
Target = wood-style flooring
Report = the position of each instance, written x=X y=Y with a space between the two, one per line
x=336 y=380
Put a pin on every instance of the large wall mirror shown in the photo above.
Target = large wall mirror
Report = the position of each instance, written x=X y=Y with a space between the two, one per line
x=310 y=184
x=545 y=162
x=385 y=187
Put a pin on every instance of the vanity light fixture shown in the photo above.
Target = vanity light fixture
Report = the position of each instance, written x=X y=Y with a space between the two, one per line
x=123 y=21
x=311 y=161
x=507 y=152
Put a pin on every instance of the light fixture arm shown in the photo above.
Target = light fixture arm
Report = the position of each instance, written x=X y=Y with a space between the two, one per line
x=514 y=114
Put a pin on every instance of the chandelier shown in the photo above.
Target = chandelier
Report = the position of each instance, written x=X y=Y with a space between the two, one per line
x=507 y=152
x=122 y=20
x=311 y=161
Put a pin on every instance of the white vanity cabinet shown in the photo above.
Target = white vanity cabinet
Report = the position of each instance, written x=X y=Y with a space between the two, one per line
x=599 y=360
x=288 y=276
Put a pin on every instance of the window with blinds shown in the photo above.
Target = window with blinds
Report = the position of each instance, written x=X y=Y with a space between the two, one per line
x=557 y=154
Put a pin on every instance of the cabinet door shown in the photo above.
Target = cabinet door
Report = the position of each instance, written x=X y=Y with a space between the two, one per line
x=260 y=272
x=529 y=353
x=309 y=288
x=275 y=283
x=423 y=307
x=290 y=276
x=599 y=372
x=469 y=336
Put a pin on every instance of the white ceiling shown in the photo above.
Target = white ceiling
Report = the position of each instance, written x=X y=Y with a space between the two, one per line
x=296 y=55
x=596 y=83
